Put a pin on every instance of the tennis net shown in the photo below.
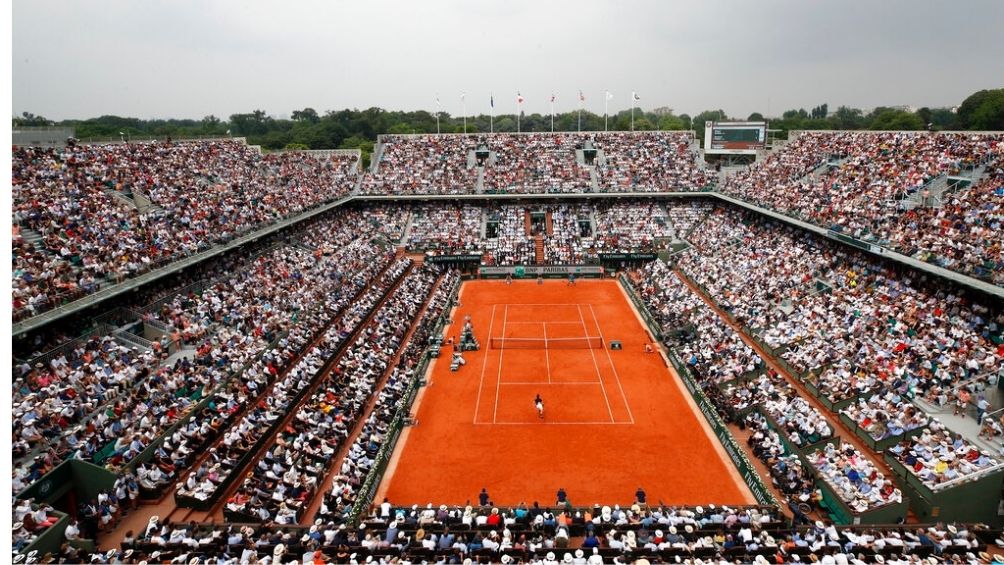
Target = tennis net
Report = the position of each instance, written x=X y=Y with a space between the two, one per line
x=591 y=342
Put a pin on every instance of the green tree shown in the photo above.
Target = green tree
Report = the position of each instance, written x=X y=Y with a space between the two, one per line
x=27 y=119
x=983 y=110
x=211 y=124
x=306 y=114
x=893 y=119
x=255 y=123
x=296 y=147
x=755 y=117
x=944 y=119
x=847 y=118
x=671 y=123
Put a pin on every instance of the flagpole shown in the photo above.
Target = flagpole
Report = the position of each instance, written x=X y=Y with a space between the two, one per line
x=463 y=100
x=606 y=105
x=632 y=112
x=491 y=120
x=552 y=114
x=517 y=113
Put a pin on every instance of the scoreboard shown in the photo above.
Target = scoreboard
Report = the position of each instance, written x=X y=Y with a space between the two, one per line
x=734 y=138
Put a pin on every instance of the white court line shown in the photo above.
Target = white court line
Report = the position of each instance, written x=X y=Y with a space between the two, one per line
x=547 y=356
x=484 y=364
x=611 y=359
x=594 y=383
x=498 y=382
x=575 y=322
x=598 y=423
x=595 y=364
x=537 y=304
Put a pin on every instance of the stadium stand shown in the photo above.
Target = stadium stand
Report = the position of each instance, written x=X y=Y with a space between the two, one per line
x=268 y=385
x=885 y=187
x=98 y=214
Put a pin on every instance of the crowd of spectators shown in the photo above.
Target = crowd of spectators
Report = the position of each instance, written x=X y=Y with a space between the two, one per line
x=684 y=215
x=712 y=350
x=941 y=458
x=52 y=401
x=886 y=415
x=799 y=420
x=642 y=227
x=288 y=470
x=649 y=162
x=113 y=402
x=853 y=477
x=286 y=477
x=570 y=241
x=850 y=324
x=107 y=212
x=535 y=162
x=29 y=521
x=962 y=232
x=359 y=461
x=531 y=534
x=578 y=232
x=446 y=229
x=512 y=245
x=854 y=181
x=387 y=220
x=424 y=164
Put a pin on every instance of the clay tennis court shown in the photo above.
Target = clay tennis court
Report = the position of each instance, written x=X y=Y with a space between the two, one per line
x=613 y=420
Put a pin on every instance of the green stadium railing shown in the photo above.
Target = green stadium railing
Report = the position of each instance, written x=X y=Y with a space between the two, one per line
x=974 y=498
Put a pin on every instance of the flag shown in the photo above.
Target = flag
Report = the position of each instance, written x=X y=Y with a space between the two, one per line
x=492 y=100
x=438 y=103
x=609 y=96
x=552 y=98
x=635 y=97
x=582 y=97
x=462 y=96
x=519 y=98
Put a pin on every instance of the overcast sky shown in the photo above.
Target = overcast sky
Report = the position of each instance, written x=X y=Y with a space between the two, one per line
x=188 y=59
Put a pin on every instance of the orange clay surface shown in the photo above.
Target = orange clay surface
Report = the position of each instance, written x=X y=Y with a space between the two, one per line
x=613 y=420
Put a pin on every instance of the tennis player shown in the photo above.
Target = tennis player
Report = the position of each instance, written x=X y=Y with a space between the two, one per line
x=538 y=403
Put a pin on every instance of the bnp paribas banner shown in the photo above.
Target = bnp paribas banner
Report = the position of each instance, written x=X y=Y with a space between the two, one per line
x=534 y=270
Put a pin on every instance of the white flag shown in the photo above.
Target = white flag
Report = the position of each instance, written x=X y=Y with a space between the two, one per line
x=438 y=103
x=635 y=97
x=609 y=96
x=519 y=98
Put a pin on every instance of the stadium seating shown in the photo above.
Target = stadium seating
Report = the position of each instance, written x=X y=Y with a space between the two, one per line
x=858 y=182
x=102 y=213
x=280 y=372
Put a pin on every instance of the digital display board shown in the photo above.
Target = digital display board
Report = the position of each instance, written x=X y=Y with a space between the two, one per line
x=734 y=138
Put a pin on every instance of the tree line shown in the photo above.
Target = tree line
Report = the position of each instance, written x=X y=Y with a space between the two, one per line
x=352 y=129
